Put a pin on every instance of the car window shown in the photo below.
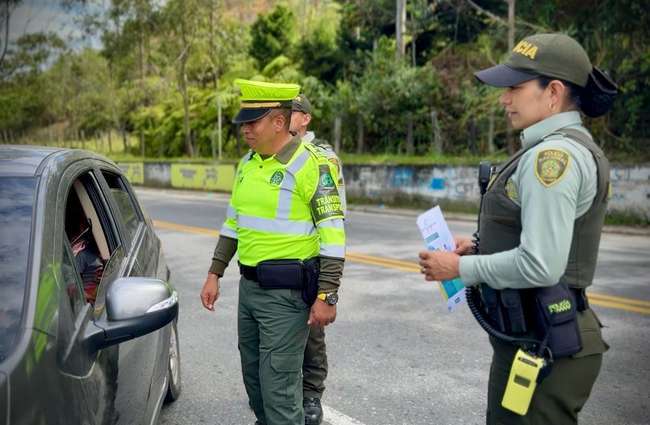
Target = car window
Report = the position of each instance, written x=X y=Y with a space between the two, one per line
x=127 y=207
x=86 y=236
x=71 y=281
x=16 y=207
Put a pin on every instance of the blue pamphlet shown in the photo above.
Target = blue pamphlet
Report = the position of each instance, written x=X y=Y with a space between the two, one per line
x=437 y=237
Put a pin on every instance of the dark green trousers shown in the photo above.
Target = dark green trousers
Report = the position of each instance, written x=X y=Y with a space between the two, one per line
x=314 y=366
x=562 y=394
x=272 y=331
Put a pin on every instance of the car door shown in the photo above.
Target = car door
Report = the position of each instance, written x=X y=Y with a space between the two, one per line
x=141 y=364
x=88 y=379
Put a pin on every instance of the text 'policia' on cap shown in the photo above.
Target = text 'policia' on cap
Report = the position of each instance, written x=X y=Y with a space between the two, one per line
x=555 y=56
x=258 y=98
x=550 y=55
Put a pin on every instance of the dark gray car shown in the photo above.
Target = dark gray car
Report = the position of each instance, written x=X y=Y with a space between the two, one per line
x=87 y=311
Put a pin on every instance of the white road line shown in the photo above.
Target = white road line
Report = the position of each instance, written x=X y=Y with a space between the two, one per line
x=334 y=417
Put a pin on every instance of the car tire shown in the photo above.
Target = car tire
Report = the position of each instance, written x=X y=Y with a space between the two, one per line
x=173 y=366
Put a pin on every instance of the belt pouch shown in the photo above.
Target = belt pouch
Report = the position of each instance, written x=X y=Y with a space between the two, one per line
x=280 y=274
x=491 y=300
x=511 y=302
x=556 y=320
x=310 y=290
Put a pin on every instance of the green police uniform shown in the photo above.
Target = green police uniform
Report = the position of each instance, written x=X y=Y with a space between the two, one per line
x=283 y=207
x=315 y=365
x=540 y=224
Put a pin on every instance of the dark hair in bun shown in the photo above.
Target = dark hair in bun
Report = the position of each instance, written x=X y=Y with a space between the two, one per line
x=598 y=96
x=595 y=99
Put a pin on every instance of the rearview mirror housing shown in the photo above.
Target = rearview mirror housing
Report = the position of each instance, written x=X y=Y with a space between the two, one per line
x=135 y=306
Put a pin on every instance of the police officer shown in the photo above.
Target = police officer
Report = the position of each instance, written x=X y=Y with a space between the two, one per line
x=314 y=367
x=540 y=224
x=285 y=222
x=301 y=116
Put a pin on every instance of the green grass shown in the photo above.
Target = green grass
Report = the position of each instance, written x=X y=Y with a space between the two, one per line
x=427 y=159
x=176 y=160
x=613 y=218
x=401 y=200
x=626 y=218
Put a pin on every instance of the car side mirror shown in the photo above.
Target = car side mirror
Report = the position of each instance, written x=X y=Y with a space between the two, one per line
x=135 y=306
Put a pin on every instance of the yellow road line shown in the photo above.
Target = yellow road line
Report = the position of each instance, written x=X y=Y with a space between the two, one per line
x=183 y=228
x=602 y=300
x=612 y=298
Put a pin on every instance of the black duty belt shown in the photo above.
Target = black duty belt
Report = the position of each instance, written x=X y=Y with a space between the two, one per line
x=582 y=302
x=249 y=272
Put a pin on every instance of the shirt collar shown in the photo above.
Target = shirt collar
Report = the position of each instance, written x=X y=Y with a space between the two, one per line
x=286 y=153
x=309 y=136
x=536 y=132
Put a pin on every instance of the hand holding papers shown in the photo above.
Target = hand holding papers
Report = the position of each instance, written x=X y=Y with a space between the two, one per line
x=437 y=237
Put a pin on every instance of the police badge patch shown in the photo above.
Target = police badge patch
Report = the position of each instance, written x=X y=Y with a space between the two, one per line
x=326 y=202
x=276 y=178
x=551 y=165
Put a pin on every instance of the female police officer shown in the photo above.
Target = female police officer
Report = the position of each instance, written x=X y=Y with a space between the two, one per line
x=540 y=225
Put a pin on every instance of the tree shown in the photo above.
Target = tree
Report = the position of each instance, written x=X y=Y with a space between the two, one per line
x=319 y=55
x=21 y=85
x=391 y=93
x=8 y=7
x=272 y=35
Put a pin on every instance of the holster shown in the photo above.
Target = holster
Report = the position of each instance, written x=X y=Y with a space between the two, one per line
x=310 y=290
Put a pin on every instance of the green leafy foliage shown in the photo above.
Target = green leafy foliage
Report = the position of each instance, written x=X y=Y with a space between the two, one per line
x=271 y=35
x=166 y=69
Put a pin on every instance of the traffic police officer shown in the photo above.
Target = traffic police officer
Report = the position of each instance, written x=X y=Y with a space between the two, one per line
x=541 y=218
x=285 y=222
x=314 y=367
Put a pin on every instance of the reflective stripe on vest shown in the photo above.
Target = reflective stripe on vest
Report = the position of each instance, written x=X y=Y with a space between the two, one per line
x=276 y=225
x=288 y=184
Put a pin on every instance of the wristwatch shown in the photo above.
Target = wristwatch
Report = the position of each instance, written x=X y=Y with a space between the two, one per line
x=330 y=298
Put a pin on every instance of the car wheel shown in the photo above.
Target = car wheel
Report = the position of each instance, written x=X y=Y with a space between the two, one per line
x=173 y=366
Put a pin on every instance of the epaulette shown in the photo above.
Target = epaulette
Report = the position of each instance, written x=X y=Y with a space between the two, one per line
x=316 y=152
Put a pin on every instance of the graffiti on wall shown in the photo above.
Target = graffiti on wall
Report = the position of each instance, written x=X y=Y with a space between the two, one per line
x=134 y=171
x=207 y=177
x=630 y=188
x=630 y=184
x=456 y=183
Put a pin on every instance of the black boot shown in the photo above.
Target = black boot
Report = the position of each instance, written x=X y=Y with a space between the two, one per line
x=313 y=411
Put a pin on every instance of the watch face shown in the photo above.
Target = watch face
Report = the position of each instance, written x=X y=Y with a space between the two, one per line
x=332 y=298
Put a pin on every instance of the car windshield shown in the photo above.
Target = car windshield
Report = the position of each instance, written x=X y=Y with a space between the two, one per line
x=16 y=206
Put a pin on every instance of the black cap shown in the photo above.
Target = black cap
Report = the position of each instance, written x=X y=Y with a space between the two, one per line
x=301 y=104
x=504 y=76
x=247 y=115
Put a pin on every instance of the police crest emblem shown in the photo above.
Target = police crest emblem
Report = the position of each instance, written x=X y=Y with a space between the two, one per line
x=276 y=178
x=551 y=166
x=326 y=181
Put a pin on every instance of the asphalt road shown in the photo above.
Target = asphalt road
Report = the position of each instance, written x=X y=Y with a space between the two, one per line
x=396 y=355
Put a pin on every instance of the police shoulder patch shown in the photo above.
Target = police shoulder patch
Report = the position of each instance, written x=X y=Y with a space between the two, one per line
x=551 y=166
x=326 y=201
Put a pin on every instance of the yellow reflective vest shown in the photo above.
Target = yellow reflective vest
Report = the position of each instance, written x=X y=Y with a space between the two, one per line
x=286 y=206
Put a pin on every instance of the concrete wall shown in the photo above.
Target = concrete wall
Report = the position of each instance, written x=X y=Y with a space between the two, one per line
x=180 y=175
x=382 y=183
